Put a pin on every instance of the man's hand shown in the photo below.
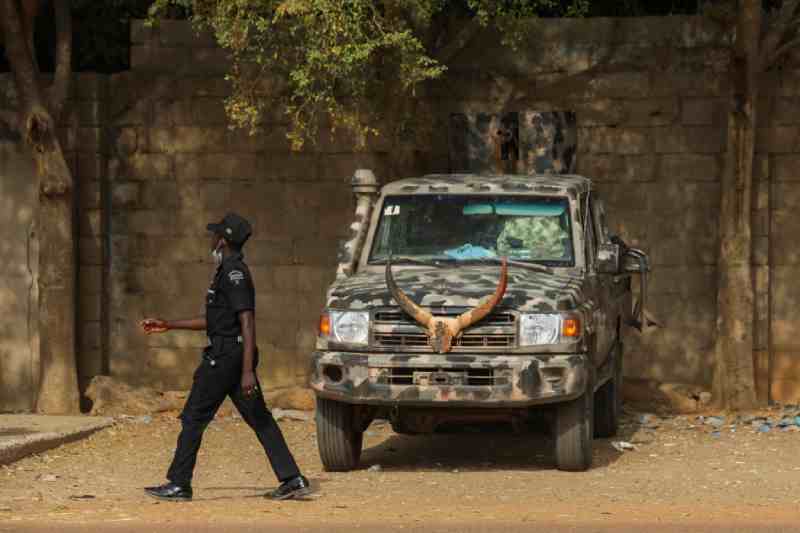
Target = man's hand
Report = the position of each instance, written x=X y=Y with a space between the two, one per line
x=249 y=383
x=153 y=325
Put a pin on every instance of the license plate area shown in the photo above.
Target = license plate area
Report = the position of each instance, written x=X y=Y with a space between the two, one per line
x=439 y=378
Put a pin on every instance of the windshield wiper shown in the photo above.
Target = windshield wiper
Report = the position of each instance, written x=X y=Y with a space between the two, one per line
x=402 y=260
x=496 y=260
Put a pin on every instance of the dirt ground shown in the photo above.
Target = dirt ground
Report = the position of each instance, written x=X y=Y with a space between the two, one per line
x=685 y=473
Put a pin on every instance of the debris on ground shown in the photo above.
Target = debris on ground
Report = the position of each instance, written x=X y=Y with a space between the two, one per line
x=621 y=445
x=375 y=468
x=297 y=398
x=291 y=414
x=112 y=397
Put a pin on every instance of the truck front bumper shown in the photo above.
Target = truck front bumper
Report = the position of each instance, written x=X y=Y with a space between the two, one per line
x=437 y=379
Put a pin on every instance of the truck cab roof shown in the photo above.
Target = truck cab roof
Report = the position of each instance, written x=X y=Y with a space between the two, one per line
x=555 y=184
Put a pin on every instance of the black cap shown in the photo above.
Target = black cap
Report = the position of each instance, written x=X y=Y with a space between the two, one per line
x=233 y=228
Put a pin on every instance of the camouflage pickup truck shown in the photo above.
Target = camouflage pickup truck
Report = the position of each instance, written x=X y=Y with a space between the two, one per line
x=466 y=298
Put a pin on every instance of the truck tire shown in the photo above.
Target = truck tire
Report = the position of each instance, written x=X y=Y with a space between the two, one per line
x=574 y=432
x=608 y=401
x=338 y=441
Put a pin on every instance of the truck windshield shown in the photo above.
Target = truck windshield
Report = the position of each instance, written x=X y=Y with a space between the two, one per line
x=469 y=227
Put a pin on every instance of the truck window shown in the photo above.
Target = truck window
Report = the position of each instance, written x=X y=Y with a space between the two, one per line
x=463 y=227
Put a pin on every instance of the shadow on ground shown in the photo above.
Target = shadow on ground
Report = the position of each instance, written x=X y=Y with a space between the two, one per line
x=489 y=447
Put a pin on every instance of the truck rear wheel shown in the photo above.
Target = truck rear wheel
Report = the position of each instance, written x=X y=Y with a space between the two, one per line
x=338 y=440
x=574 y=431
x=608 y=401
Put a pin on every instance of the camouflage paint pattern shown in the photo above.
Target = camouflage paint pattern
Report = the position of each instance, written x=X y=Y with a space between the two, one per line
x=450 y=290
x=524 y=381
x=548 y=142
x=528 y=142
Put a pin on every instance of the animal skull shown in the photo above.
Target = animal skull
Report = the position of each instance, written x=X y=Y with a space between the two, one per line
x=442 y=330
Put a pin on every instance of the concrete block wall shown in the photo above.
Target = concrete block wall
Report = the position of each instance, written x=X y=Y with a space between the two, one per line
x=649 y=96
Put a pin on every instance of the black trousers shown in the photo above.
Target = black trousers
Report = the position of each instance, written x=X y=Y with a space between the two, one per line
x=212 y=383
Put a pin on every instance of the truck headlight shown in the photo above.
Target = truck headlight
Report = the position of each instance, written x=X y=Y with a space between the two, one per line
x=541 y=329
x=350 y=327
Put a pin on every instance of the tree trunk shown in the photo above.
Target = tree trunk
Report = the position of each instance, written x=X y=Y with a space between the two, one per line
x=734 y=378
x=58 y=383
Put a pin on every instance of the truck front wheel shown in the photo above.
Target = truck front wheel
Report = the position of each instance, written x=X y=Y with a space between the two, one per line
x=338 y=440
x=574 y=432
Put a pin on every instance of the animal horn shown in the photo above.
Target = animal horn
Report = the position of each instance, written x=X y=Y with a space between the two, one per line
x=406 y=304
x=472 y=316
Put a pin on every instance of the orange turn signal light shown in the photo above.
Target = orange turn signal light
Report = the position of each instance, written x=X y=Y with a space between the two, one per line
x=571 y=327
x=325 y=325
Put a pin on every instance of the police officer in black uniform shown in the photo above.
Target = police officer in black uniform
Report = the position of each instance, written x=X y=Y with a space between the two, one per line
x=228 y=368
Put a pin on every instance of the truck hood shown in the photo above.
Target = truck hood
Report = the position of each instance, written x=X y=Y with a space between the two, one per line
x=465 y=286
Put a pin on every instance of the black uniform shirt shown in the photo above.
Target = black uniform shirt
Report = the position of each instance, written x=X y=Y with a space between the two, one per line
x=230 y=293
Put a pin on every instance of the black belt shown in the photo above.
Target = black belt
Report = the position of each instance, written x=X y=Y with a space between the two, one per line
x=216 y=345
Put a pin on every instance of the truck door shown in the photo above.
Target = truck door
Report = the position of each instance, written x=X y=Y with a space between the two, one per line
x=612 y=286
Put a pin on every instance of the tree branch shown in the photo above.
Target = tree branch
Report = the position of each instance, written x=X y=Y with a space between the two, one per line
x=783 y=25
x=60 y=88
x=781 y=51
x=459 y=42
x=34 y=120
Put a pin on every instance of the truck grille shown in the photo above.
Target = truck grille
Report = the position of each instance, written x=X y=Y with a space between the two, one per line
x=468 y=340
x=398 y=317
x=472 y=377
x=392 y=329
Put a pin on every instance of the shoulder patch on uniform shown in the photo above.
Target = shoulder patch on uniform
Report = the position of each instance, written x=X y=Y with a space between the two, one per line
x=236 y=276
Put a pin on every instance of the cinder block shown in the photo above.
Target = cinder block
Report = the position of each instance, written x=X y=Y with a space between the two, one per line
x=786 y=167
x=125 y=194
x=786 y=195
x=186 y=139
x=208 y=112
x=785 y=228
x=786 y=112
x=689 y=139
x=140 y=167
x=651 y=112
x=269 y=252
x=702 y=112
x=690 y=167
x=203 y=86
x=619 y=85
x=171 y=112
x=210 y=60
x=292 y=166
x=599 y=112
x=182 y=33
x=223 y=166
x=140 y=31
x=785 y=391
x=777 y=139
x=151 y=222
x=315 y=252
x=614 y=140
x=158 y=194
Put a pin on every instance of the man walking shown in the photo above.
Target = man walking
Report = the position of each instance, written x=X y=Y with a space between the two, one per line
x=228 y=368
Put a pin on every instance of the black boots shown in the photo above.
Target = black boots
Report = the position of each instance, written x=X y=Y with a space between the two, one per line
x=294 y=488
x=170 y=492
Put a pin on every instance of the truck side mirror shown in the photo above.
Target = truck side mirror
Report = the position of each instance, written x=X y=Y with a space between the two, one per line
x=608 y=258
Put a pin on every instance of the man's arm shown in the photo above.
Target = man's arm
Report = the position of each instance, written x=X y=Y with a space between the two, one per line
x=157 y=325
x=247 y=320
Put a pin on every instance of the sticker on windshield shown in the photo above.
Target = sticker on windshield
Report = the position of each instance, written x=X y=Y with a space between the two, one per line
x=391 y=210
